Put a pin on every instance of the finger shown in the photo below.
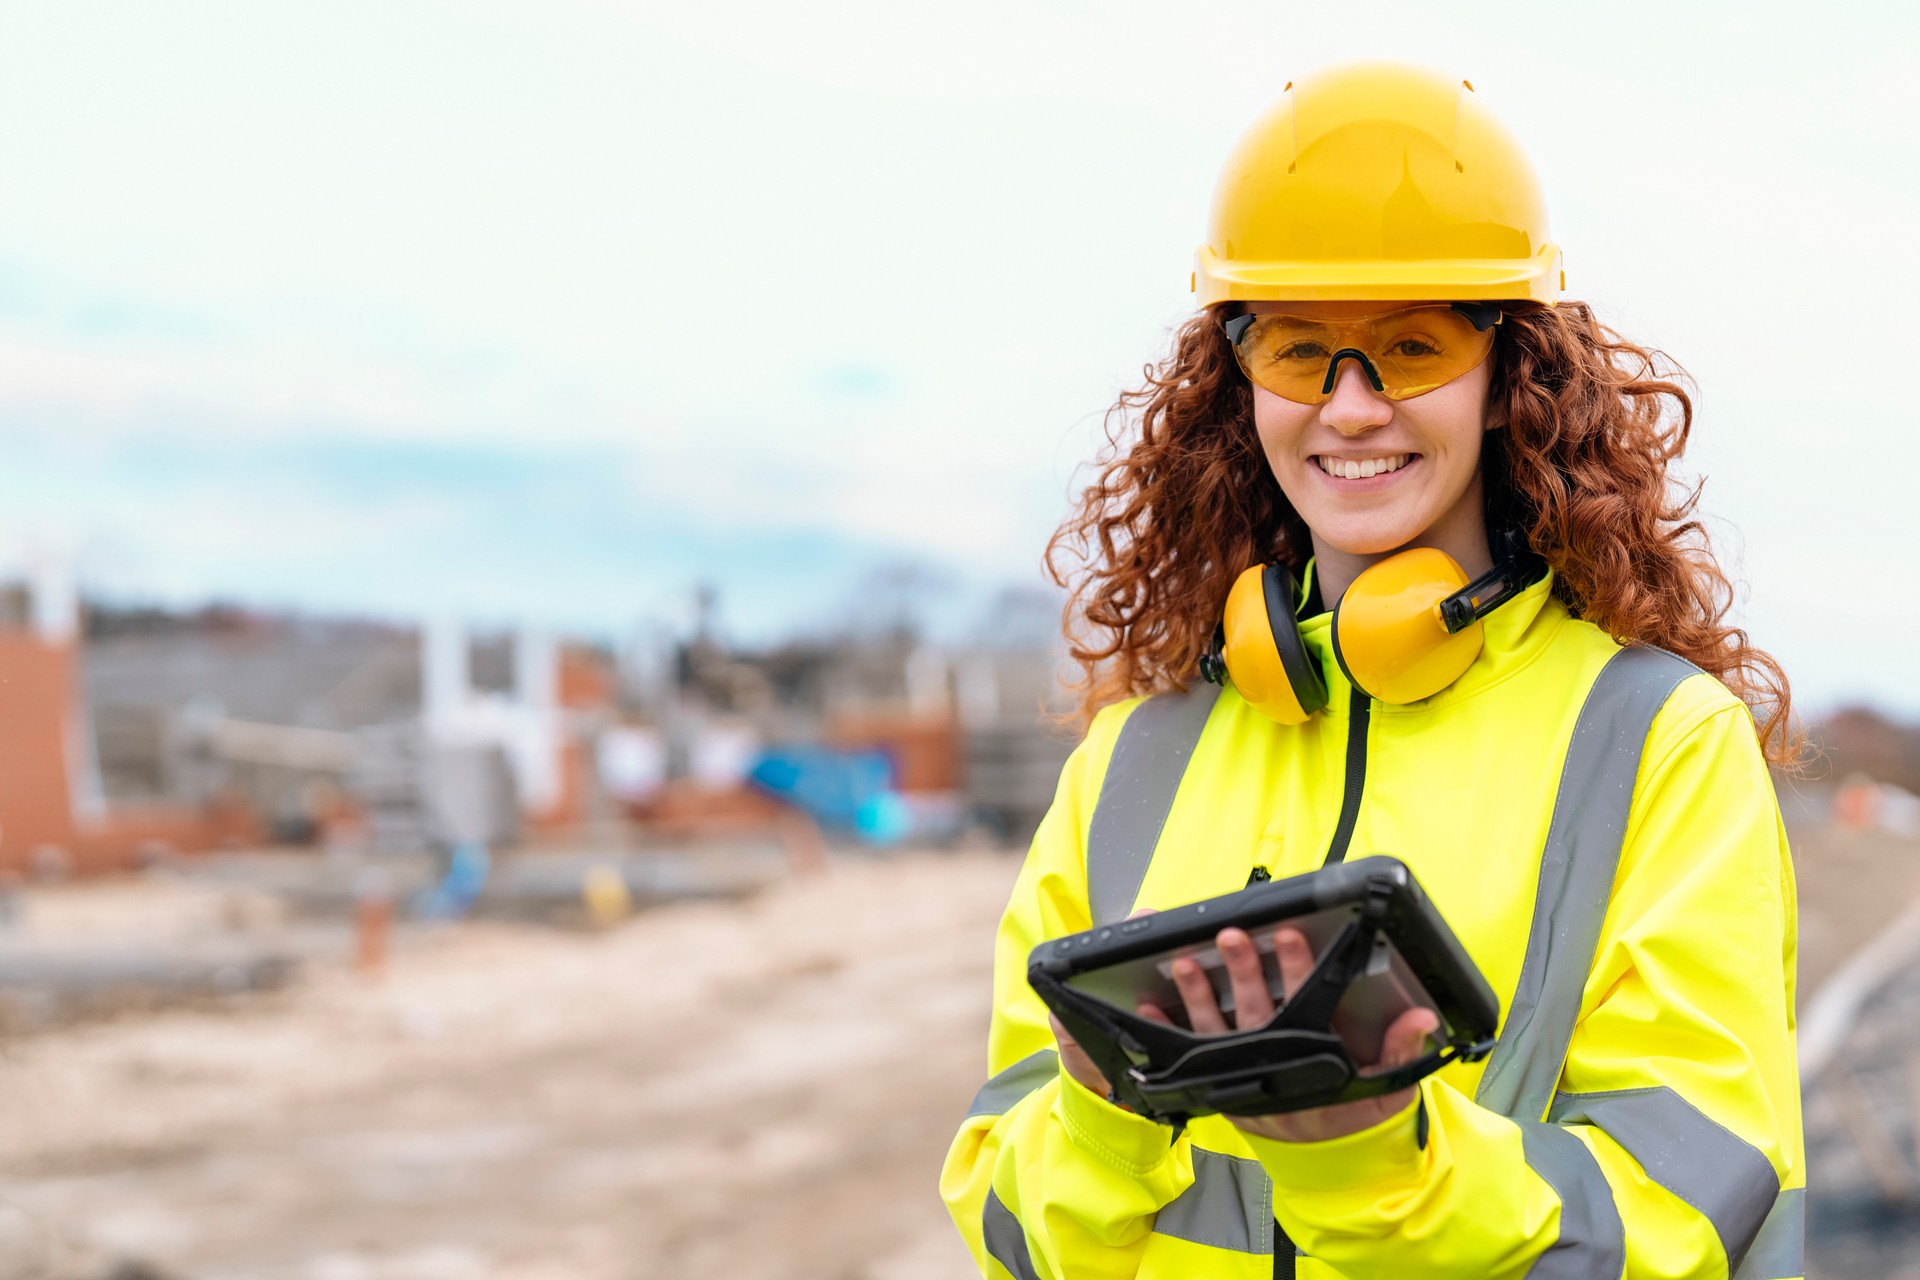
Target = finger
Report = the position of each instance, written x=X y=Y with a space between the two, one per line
x=1153 y=1013
x=1203 y=1011
x=1144 y=911
x=1296 y=959
x=1252 y=1004
x=1406 y=1038
x=1078 y=1064
x=1060 y=1032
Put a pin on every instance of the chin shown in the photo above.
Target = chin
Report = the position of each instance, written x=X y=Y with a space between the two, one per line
x=1372 y=541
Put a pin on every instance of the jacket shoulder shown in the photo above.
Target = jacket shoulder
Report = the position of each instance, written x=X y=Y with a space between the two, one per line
x=1701 y=710
x=1696 y=699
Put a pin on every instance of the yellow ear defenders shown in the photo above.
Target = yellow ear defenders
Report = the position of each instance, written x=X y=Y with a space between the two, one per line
x=1408 y=627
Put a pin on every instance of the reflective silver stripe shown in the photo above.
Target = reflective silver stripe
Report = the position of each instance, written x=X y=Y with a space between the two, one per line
x=1712 y=1168
x=1005 y=1240
x=1143 y=776
x=1779 y=1252
x=1576 y=877
x=1229 y=1205
x=1592 y=1243
x=997 y=1096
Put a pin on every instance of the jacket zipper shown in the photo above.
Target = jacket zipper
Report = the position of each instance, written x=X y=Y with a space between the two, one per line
x=1360 y=708
x=1359 y=713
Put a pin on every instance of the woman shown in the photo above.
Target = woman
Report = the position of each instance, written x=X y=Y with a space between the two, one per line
x=1575 y=768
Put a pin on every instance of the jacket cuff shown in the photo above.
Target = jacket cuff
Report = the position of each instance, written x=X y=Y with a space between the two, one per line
x=1388 y=1152
x=1130 y=1143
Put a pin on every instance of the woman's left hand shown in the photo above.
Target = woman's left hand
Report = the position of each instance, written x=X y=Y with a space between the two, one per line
x=1405 y=1040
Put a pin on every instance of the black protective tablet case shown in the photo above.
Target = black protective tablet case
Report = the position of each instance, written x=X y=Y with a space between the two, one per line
x=1378 y=942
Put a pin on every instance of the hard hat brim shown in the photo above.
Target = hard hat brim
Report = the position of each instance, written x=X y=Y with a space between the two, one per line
x=1539 y=279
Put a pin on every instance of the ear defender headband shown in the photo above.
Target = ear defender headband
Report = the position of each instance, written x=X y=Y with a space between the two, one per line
x=1408 y=627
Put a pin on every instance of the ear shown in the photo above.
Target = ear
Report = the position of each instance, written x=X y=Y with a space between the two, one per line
x=1494 y=416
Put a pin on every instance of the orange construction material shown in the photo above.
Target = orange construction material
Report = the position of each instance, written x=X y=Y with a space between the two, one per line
x=373 y=924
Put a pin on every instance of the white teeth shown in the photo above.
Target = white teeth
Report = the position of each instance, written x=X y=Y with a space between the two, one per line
x=1364 y=468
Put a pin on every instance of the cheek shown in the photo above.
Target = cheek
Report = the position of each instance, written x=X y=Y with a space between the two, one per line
x=1464 y=411
x=1279 y=423
x=1452 y=420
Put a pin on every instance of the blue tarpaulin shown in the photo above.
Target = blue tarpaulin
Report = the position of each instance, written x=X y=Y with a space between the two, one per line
x=844 y=791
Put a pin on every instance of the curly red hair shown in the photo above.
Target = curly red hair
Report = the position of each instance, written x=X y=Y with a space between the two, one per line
x=1183 y=499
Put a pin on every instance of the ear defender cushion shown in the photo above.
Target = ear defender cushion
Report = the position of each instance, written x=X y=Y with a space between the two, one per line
x=1281 y=590
x=1388 y=636
x=1271 y=668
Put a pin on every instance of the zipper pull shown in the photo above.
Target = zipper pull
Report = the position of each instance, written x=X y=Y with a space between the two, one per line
x=1260 y=876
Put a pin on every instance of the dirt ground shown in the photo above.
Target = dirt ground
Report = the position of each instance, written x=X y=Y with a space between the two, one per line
x=759 y=1089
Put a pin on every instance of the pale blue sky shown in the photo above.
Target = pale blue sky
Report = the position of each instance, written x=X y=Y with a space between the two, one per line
x=546 y=311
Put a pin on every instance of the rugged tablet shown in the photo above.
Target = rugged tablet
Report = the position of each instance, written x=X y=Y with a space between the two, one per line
x=1380 y=948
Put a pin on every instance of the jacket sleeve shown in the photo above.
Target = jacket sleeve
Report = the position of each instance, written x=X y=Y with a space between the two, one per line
x=1673 y=1144
x=1045 y=1179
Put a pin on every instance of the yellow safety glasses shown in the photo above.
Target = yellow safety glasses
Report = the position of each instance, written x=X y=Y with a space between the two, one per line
x=1405 y=353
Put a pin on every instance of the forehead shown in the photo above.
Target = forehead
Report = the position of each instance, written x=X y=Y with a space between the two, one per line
x=1336 y=310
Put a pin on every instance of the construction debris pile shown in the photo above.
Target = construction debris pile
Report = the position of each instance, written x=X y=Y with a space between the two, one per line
x=165 y=733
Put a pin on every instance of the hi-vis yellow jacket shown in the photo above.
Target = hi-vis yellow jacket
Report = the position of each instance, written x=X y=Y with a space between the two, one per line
x=1598 y=827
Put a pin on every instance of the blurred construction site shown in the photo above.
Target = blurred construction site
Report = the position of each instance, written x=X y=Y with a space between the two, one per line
x=341 y=950
x=338 y=948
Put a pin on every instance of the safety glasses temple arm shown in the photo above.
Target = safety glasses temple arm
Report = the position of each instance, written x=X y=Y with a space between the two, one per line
x=1484 y=315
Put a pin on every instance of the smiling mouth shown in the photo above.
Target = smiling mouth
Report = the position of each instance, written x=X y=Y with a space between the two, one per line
x=1362 y=468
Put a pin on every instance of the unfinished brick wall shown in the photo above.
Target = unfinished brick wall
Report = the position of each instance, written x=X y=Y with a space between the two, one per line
x=127 y=838
x=39 y=699
x=586 y=684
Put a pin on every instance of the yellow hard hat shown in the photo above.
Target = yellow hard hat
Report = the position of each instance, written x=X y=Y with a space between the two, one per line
x=1378 y=181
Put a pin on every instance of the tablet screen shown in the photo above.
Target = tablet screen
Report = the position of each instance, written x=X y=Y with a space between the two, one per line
x=1386 y=988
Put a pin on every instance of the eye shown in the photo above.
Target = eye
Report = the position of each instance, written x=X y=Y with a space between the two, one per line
x=1301 y=351
x=1412 y=348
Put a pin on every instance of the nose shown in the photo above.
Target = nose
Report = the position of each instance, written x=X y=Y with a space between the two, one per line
x=1355 y=407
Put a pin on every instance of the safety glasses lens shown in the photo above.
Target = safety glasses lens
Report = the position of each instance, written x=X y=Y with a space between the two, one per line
x=1411 y=351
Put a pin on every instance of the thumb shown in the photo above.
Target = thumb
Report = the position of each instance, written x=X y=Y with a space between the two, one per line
x=1406 y=1038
